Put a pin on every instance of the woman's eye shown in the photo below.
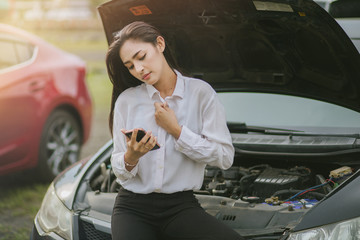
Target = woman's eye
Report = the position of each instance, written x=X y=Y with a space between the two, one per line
x=131 y=67
x=143 y=57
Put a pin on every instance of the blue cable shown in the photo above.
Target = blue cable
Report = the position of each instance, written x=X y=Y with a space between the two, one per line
x=318 y=186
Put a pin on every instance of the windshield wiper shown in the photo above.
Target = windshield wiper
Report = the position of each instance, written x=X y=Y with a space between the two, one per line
x=243 y=128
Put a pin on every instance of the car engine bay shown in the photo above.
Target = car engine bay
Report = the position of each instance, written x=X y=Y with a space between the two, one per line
x=259 y=198
x=260 y=183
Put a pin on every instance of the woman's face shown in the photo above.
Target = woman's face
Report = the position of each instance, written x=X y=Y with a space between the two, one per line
x=144 y=60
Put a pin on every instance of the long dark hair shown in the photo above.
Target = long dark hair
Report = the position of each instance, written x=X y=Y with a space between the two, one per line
x=119 y=75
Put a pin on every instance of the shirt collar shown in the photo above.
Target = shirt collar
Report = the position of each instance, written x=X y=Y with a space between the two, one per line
x=179 y=88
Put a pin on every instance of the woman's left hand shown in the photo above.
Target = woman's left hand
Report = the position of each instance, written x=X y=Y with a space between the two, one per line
x=165 y=117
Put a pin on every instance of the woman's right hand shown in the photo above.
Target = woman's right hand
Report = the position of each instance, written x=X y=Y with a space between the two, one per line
x=136 y=150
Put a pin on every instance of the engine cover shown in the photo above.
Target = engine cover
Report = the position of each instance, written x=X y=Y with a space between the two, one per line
x=274 y=179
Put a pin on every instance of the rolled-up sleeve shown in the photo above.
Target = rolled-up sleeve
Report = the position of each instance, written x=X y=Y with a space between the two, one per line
x=213 y=145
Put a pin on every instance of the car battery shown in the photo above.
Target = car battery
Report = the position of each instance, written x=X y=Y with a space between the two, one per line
x=274 y=179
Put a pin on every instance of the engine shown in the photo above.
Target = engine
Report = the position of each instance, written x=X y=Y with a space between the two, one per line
x=258 y=183
x=261 y=183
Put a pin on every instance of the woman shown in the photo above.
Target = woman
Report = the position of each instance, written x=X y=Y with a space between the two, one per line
x=184 y=117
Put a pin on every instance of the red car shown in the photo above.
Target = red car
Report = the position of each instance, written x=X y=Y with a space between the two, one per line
x=45 y=106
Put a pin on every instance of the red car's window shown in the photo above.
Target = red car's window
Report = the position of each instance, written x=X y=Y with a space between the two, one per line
x=8 y=55
x=14 y=51
x=24 y=52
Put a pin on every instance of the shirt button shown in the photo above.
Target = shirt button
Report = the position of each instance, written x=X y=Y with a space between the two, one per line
x=161 y=167
x=157 y=190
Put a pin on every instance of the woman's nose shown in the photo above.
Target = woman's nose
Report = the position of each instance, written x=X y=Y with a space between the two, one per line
x=138 y=67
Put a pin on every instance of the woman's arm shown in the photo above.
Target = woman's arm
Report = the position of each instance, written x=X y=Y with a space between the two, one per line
x=212 y=146
x=127 y=151
x=121 y=171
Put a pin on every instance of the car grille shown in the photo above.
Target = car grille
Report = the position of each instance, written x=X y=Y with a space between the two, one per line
x=87 y=231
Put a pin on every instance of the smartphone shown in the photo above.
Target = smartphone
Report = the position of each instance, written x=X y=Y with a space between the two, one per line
x=140 y=134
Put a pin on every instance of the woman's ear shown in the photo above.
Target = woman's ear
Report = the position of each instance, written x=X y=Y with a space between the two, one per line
x=160 y=43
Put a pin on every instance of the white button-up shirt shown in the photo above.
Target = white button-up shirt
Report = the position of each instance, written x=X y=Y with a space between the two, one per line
x=179 y=164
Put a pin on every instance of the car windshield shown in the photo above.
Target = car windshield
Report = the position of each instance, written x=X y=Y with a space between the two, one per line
x=283 y=111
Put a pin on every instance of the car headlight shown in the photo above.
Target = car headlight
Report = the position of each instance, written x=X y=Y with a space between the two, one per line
x=346 y=230
x=54 y=216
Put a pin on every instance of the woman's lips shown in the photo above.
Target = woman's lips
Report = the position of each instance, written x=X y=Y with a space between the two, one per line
x=146 y=76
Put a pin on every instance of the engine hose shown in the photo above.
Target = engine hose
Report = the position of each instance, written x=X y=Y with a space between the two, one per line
x=243 y=173
x=261 y=166
x=316 y=195
x=246 y=182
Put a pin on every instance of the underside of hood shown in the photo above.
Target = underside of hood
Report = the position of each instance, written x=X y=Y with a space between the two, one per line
x=291 y=47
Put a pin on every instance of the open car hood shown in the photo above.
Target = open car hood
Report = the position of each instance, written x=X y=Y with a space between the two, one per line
x=291 y=47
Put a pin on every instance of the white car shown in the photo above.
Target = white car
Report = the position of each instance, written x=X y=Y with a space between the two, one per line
x=288 y=77
x=347 y=14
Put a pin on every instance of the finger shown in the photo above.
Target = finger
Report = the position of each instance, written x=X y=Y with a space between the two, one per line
x=156 y=142
x=159 y=112
x=133 y=136
x=157 y=105
x=152 y=142
x=145 y=139
x=124 y=131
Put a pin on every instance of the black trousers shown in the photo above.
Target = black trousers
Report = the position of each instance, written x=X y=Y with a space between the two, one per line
x=158 y=216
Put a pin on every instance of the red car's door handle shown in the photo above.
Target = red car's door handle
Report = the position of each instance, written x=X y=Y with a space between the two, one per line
x=36 y=86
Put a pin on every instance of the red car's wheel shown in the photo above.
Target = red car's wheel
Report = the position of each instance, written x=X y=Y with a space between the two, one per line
x=60 y=144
